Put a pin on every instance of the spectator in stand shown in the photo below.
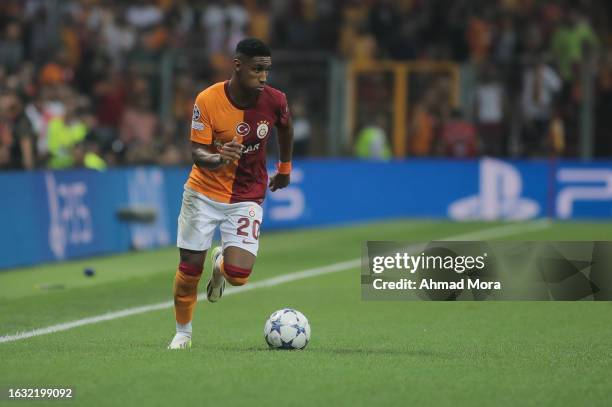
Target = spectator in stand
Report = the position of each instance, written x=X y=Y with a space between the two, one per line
x=143 y=14
x=184 y=95
x=571 y=40
x=383 y=20
x=457 y=136
x=89 y=45
x=88 y=155
x=223 y=21
x=363 y=46
x=540 y=86
x=183 y=17
x=138 y=128
x=118 y=37
x=237 y=19
x=372 y=141
x=213 y=20
x=110 y=94
x=57 y=71
x=404 y=46
x=65 y=133
x=260 y=21
x=489 y=100
x=168 y=150
x=507 y=40
x=422 y=126
x=301 y=129
x=11 y=46
x=17 y=140
x=41 y=110
x=25 y=80
x=479 y=37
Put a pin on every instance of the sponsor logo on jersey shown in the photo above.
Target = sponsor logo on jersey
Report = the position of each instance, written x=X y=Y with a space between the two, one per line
x=251 y=148
x=243 y=129
x=262 y=129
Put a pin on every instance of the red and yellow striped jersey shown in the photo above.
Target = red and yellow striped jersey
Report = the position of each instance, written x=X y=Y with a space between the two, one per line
x=217 y=120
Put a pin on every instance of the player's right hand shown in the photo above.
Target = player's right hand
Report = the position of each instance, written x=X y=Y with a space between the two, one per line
x=231 y=151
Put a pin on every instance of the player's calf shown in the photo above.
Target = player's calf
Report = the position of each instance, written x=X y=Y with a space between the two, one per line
x=186 y=291
x=185 y=298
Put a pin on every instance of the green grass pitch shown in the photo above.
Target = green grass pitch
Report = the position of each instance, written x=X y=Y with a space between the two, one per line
x=361 y=353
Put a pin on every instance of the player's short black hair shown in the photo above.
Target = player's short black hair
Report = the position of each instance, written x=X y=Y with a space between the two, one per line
x=252 y=47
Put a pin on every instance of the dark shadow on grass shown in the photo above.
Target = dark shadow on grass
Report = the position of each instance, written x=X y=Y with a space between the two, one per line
x=375 y=351
x=346 y=351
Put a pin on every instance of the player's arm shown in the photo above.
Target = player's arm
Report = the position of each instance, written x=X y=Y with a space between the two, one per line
x=285 y=146
x=202 y=138
x=204 y=159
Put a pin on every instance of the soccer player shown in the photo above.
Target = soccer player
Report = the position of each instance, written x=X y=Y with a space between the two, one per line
x=231 y=124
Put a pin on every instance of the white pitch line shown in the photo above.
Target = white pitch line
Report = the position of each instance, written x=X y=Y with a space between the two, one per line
x=489 y=233
x=502 y=231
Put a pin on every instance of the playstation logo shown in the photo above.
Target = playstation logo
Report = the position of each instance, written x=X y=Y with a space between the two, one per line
x=499 y=197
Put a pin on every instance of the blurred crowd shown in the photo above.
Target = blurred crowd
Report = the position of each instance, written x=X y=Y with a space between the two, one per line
x=536 y=76
x=81 y=81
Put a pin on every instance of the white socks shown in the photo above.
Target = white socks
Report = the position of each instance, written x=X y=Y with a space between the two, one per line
x=184 y=329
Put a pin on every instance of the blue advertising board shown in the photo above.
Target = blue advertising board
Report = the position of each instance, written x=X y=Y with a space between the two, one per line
x=49 y=216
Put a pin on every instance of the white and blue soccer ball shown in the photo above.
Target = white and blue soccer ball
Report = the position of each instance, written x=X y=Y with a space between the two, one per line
x=287 y=329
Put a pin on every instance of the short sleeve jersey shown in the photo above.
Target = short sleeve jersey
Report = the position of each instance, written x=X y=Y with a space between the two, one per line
x=217 y=120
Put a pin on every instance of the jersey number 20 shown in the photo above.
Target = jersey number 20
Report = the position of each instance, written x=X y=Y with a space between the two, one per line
x=244 y=224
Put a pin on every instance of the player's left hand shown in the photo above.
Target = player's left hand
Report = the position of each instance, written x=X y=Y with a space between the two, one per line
x=231 y=151
x=279 y=181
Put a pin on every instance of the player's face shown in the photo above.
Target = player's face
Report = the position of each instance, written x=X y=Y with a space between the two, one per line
x=254 y=72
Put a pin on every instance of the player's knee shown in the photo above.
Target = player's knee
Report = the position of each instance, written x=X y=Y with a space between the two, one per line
x=191 y=261
x=236 y=275
x=237 y=281
x=190 y=269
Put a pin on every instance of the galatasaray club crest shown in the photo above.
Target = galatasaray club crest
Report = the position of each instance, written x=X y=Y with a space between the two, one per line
x=262 y=129
x=243 y=128
x=252 y=212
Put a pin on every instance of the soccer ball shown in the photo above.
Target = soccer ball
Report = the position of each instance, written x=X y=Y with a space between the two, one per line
x=287 y=329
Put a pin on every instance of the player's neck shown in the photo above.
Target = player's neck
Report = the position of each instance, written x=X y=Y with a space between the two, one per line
x=240 y=96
